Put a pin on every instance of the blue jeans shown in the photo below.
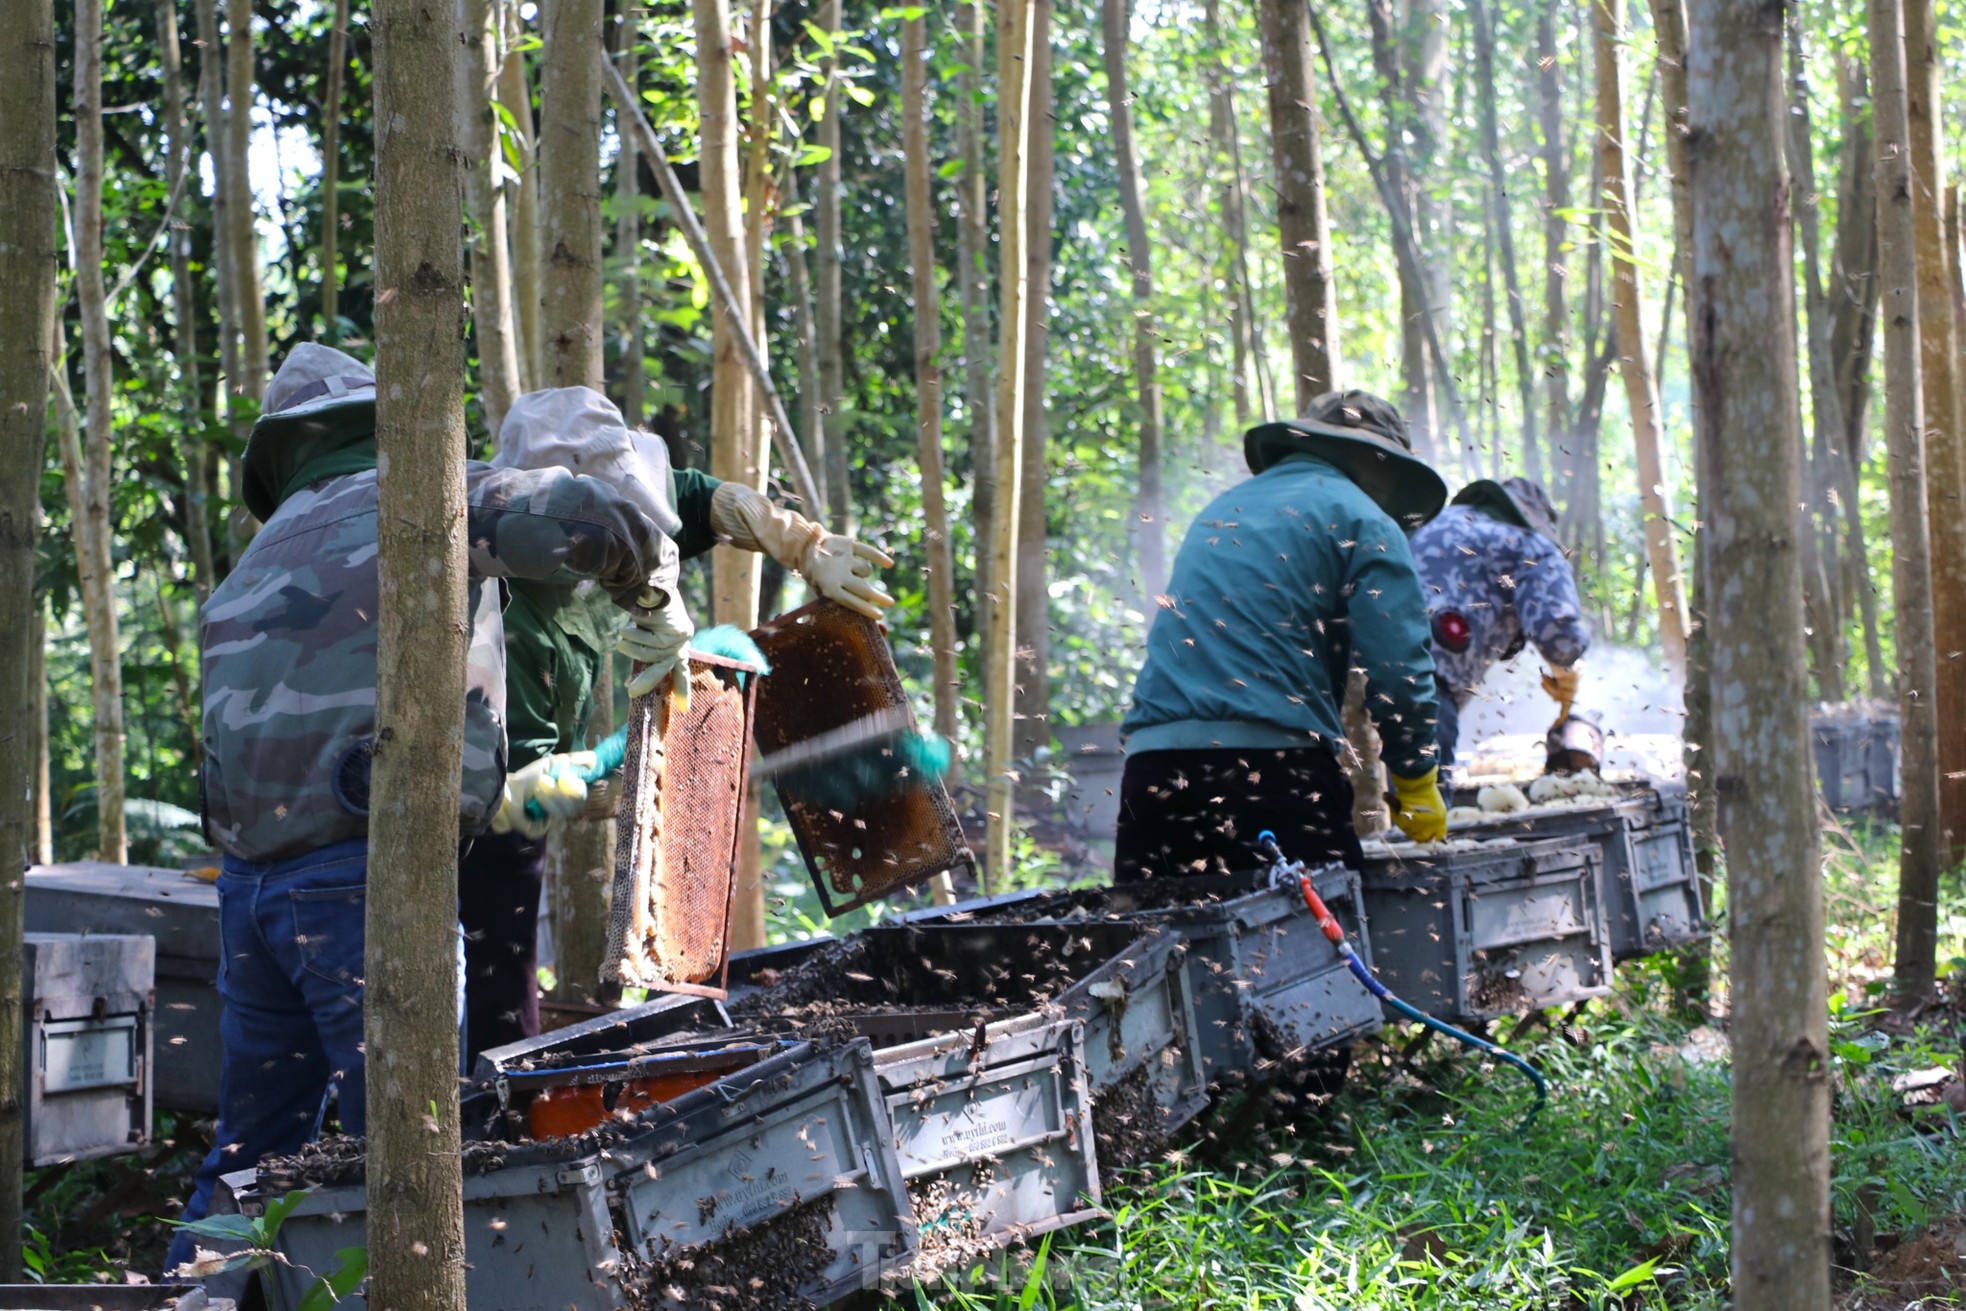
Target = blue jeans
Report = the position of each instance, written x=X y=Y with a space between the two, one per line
x=290 y=975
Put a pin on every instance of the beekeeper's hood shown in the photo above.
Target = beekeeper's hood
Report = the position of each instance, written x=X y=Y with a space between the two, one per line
x=581 y=431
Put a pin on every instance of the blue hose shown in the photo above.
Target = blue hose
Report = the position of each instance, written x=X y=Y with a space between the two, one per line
x=1328 y=924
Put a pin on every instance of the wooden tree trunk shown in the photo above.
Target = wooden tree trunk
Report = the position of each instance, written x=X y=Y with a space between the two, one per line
x=1554 y=357
x=1033 y=623
x=941 y=566
x=1433 y=221
x=1641 y=394
x=1853 y=297
x=184 y=308
x=1014 y=51
x=628 y=231
x=241 y=227
x=522 y=195
x=928 y=371
x=43 y=849
x=571 y=330
x=331 y=173
x=832 y=357
x=27 y=311
x=1504 y=229
x=1911 y=558
x=1744 y=370
x=973 y=289
x=211 y=96
x=812 y=435
x=1244 y=331
x=416 y=1202
x=570 y=193
x=1945 y=446
x=1150 y=533
x=488 y=241
x=1416 y=384
x=1310 y=296
x=92 y=519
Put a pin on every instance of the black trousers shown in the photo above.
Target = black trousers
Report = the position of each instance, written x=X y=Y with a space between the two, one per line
x=1198 y=812
x=498 y=887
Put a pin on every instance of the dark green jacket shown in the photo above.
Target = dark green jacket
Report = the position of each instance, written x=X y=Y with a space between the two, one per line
x=556 y=637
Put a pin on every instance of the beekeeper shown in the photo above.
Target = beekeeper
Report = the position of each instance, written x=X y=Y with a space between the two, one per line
x=1283 y=584
x=288 y=649
x=1496 y=580
x=556 y=635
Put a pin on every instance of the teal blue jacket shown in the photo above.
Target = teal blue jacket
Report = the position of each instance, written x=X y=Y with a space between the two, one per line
x=1283 y=583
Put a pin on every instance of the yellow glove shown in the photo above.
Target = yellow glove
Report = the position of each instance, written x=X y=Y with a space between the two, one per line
x=1421 y=813
x=1561 y=687
x=554 y=782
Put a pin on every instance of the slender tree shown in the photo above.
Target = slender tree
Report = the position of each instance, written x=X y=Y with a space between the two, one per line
x=184 y=307
x=241 y=221
x=1310 y=295
x=331 y=173
x=1945 y=445
x=1033 y=623
x=581 y=861
x=488 y=243
x=522 y=193
x=973 y=282
x=1390 y=56
x=1014 y=49
x=1554 y=355
x=826 y=206
x=628 y=229
x=211 y=96
x=1744 y=371
x=27 y=310
x=1433 y=212
x=806 y=329
x=1150 y=533
x=90 y=499
x=1911 y=556
x=1245 y=332
x=928 y=370
x=1501 y=222
x=570 y=193
x=1641 y=391
x=416 y=1195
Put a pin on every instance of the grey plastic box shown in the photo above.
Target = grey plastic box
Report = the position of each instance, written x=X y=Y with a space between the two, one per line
x=1651 y=888
x=1482 y=932
x=1128 y=984
x=182 y=914
x=87 y=1004
x=1266 y=983
x=994 y=1134
x=612 y=1034
x=1842 y=751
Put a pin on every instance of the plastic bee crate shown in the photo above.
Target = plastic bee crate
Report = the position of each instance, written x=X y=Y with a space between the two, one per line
x=1885 y=784
x=537 y=1235
x=86 y=1082
x=1268 y=987
x=1842 y=748
x=1130 y=989
x=1476 y=933
x=610 y=1034
x=1651 y=889
x=993 y=1130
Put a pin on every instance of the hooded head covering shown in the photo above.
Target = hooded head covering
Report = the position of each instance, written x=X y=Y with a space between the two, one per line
x=581 y=431
x=318 y=421
x=1366 y=437
x=1514 y=500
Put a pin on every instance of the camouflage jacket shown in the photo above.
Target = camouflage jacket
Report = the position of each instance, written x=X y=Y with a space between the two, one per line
x=289 y=647
x=1283 y=584
x=1509 y=583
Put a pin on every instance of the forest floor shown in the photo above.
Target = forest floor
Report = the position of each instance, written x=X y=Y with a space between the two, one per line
x=1419 y=1186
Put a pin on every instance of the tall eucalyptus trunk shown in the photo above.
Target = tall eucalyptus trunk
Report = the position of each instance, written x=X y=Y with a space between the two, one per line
x=331 y=173
x=1033 y=624
x=832 y=350
x=488 y=241
x=973 y=286
x=1310 y=296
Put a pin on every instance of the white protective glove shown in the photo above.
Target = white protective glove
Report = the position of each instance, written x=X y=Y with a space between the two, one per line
x=837 y=567
x=555 y=783
x=655 y=639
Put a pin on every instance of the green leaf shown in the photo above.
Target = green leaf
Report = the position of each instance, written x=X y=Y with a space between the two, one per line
x=860 y=95
x=1034 y=1285
x=950 y=168
x=232 y=1228
x=1645 y=1272
x=352 y=1267
x=820 y=37
x=276 y=1215
x=818 y=109
x=810 y=155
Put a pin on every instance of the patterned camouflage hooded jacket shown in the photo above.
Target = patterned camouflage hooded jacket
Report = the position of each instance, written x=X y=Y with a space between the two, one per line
x=1510 y=583
x=289 y=638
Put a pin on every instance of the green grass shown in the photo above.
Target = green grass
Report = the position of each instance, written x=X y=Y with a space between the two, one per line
x=1417 y=1188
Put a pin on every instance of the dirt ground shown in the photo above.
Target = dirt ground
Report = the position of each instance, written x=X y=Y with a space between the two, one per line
x=1927 y=1271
